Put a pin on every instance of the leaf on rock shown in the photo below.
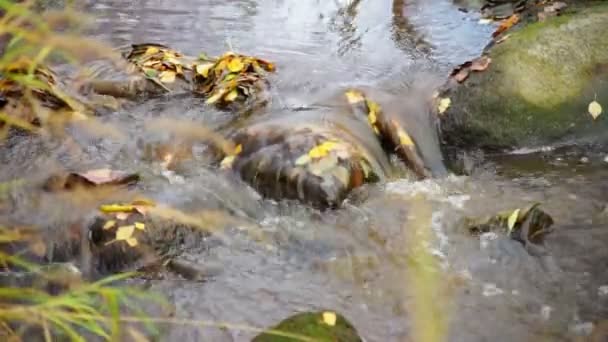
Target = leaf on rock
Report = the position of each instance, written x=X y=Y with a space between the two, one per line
x=512 y=220
x=101 y=177
x=140 y=226
x=125 y=232
x=481 y=63
x=444 y=104
x=595 y=109
x=354 y=96
x=506 y=24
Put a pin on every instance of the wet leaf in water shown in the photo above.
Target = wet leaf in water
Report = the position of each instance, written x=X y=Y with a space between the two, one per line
x=404 y=138
x=595 y=109
x=235 y=65
x=167 y=76
x=444 y=104
x=506 y=24
x=329 y=318
x=322 y=150
x=227 y=162
x=125 y=232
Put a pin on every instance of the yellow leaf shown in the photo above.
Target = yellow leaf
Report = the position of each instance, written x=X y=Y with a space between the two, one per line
x=329 y=318
x=227 y=162
x=302 y=160
x=512 y=220
x=353 y=96
x=235 y=65
x=238 y=149
x=167 y=76
x=404 y=138
x=132 y=242
x=151 y=50
x=444 y=104
x=371 y=117
x=203 y=69
x=109 y=224
x=322 y=149
x=140 y=226
x=595 y=109
x=231 y=96
x=124 y=232
x=115 y=208
x=376 y=130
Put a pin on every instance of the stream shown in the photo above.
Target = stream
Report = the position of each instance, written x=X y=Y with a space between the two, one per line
x=352 y=260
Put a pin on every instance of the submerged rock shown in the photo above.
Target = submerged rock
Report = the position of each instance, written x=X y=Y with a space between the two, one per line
x=537 y=89
x=318 y=326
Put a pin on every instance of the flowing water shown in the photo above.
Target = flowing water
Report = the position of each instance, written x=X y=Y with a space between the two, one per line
x=353 y=260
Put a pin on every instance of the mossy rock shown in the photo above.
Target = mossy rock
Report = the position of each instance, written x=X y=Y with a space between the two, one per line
x=537 y=89
x=317 y=326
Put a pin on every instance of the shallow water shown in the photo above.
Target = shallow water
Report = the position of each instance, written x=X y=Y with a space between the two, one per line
x=354 y=260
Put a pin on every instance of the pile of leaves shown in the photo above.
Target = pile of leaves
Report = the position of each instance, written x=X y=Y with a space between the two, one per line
x=159 y=63
x=231 y=78
x=30 y=95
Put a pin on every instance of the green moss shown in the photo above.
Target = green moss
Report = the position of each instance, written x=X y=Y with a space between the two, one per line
x=539 y=84
x=313 y=326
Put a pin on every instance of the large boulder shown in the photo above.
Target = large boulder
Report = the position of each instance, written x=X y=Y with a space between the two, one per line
x=537 y=89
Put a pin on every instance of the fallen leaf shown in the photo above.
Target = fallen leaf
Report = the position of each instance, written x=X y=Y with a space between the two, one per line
x=231 y=96
x=481 y=63
x=322 y=150
x=101 y=177
x=595 y=109
x=227 y=162
x=140 y=226
x=114 y=208
x=302 y=160
x=151 y=51
x=132 y=242
x=167 y=76
x=404 y=138
x=512 y=220
x=109 y=224
x=354 y=96
x=444 y=104
x=203 y=69
x=329 y=318
x=124 y=232
x=235 y=65
x=506 y=24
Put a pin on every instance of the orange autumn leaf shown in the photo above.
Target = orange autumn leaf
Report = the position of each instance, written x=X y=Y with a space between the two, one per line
x=505 y=25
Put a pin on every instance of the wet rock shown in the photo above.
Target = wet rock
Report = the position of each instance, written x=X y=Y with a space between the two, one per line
x=537 y=89
x=318 y=326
